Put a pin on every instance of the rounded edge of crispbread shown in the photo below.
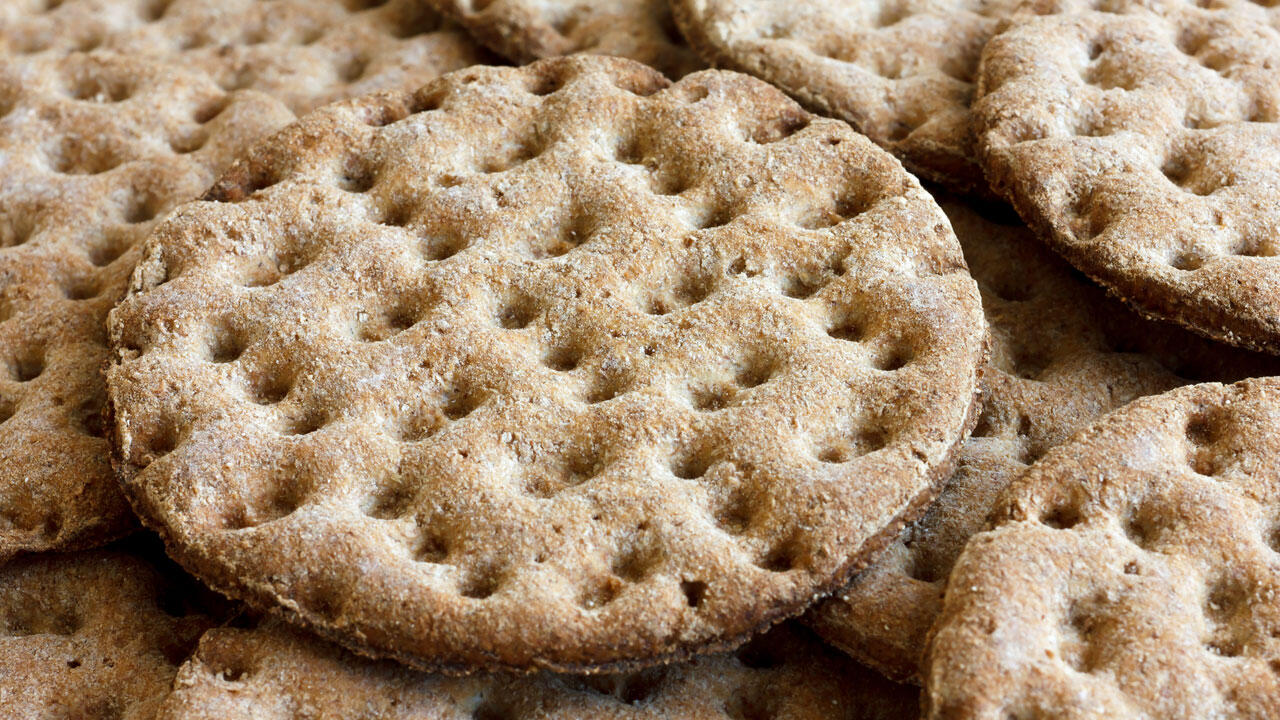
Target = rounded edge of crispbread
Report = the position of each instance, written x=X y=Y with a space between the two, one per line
x=1036 y=572
x=243 y=176
x=263 y=599
x=932 y=162
x=998 y=127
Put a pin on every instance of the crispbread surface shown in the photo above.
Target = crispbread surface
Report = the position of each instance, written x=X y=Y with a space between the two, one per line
x=1062 y=355
x=552 y=366
x=304 y=53
x=96 y=635
x=901 y=71
x=1131 y=574
x=93 y=148
x=275 y=671
x=1145 y=149
x=526 y=30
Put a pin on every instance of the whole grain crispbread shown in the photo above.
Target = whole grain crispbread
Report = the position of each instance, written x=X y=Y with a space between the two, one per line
x=304 y=53
x=527 y=30
x=94 y=147
x=1062 y=355
x=96 y=635
x=559 y=366
x=274 y=671
x=901 y=71
x=1131 y=574
x=1145 y=150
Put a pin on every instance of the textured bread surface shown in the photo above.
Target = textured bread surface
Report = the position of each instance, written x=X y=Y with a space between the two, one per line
x=527 y=30
x=93 y=636
x=1062 y=355
x=558 y=366
x=304 y=53
x=1146 y=150
x=1132 y=572
x=94 y=149
x=277 y=672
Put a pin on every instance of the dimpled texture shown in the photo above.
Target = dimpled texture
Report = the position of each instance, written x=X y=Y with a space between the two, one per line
x=93 y=148
x=1145 y=150
x=901 y=71
x=1131 y=572
x=1062 y=355
x=526 y=30
x=305 y=53
x=557 y=366
x=273 y=672
x=93 y=636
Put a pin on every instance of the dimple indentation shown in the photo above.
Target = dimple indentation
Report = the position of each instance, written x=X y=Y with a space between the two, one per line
x=357 y=175
x=1143 y=524
x=389 y=500
x=1062 y=515
x=695 y=591
x=435 y=248
x=801 y=287
x=517 y=312
x=16 y=229
x=692 y=462
x=1202 y=432
x=575 y=231
x=385 y=324
x=709 y=397
x=225 y=344
x=462 y=399
x=733 y=512
x=1227 y=597
x=81 y=288
x=430 y=546
x=1081 y=623
x=564 y=357
x=754 y=370
x=27 y=364
x=598 y=592
x=852 y=445
x=268 y=387
x=847 y=326
x=75 y=155
x=782 y=557
x=480 y=584
x=606 y=386
x=689 y=289
x=305 y=421
x=892 y=356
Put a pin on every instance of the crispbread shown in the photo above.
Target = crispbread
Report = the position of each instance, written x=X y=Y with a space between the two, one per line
x=526 y=30
x=92 y=636
x=554 y=366
x=1145 y=150
x=93 y=147
x=1132 y=572
x=274 y=671
x=1062 y=355
x=304 y=53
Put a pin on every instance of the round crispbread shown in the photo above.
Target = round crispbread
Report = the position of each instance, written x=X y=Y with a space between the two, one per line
x=1062 y=355
x=275 y=672
x=1144 y=148
x=558 y=366
x=1131 y=573
x=94 y=147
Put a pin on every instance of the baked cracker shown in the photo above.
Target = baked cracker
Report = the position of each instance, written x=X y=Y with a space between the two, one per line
x=92 y=635
x=1131 y=573
x=304 y=53
x=94 y=147
x=559 y=366
x=1145 y=150
x=1062 y=355
x=527 y=30
x=276 y=671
